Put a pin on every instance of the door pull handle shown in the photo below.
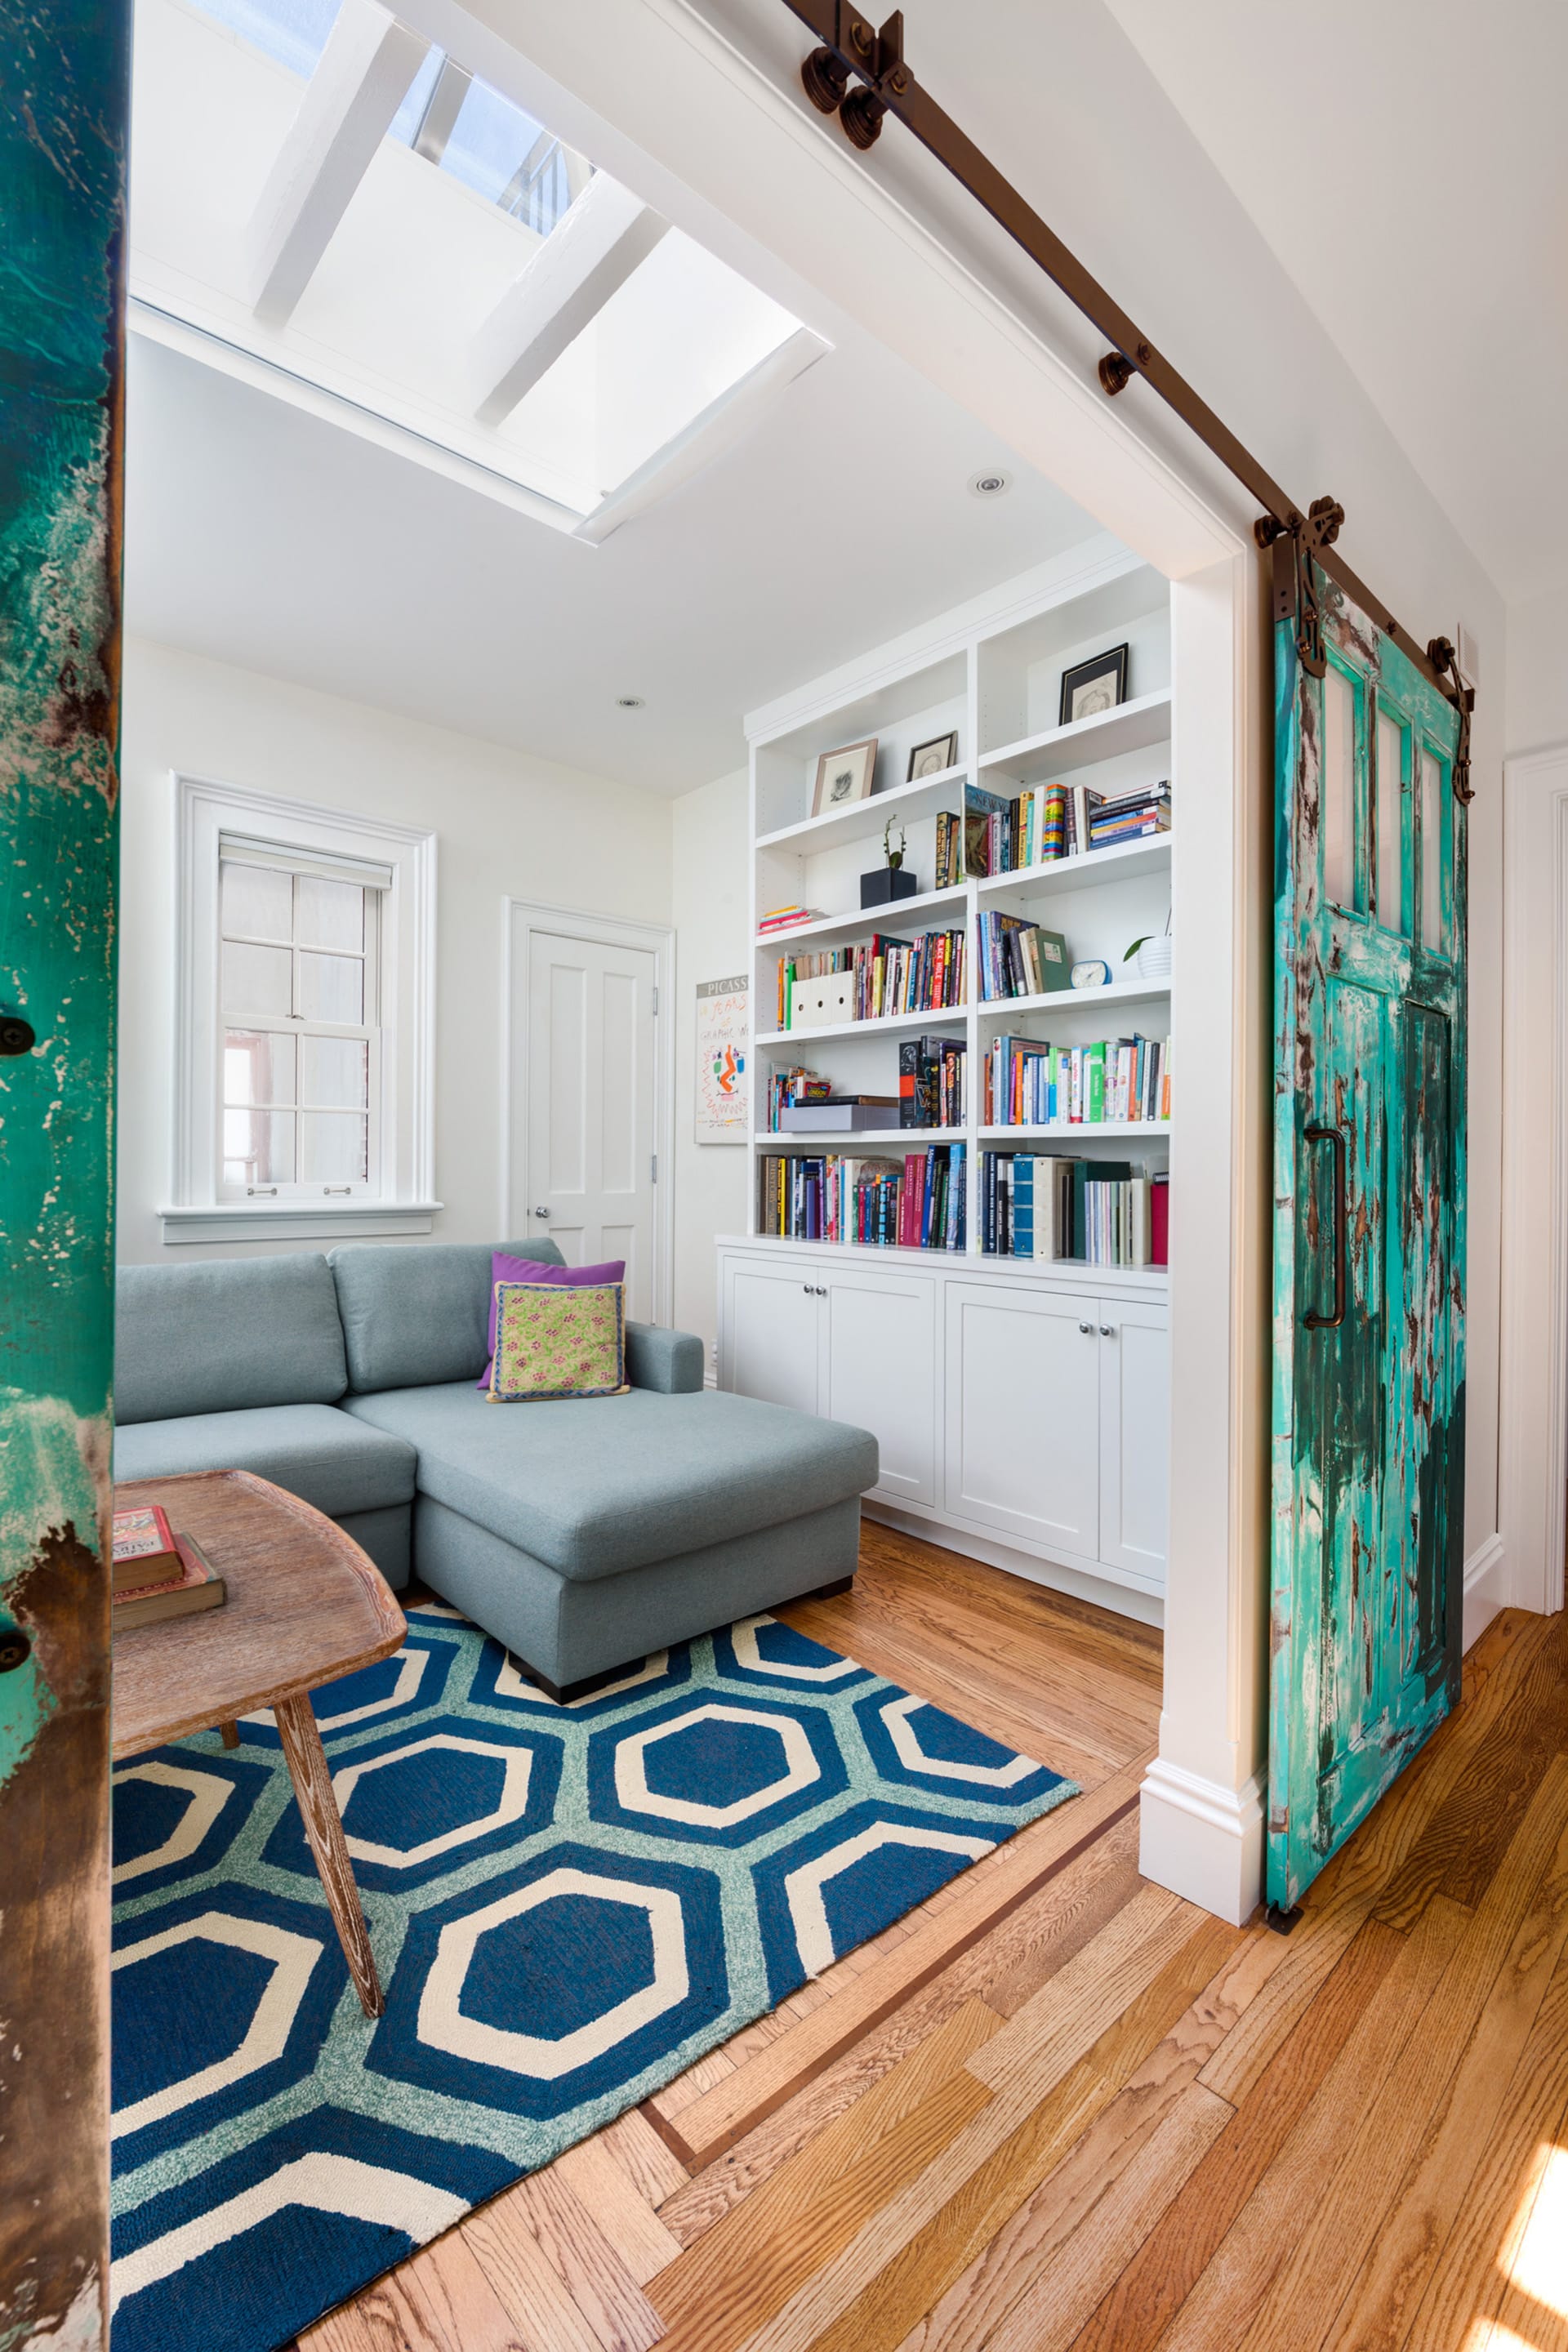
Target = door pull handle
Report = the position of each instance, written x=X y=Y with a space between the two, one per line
x=1334 y=1136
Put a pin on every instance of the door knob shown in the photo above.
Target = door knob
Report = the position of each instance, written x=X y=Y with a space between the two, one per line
x=541 y=1212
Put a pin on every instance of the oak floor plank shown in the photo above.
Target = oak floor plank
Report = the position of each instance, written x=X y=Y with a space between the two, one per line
x=1137 y=2307
x=746 y=2268
x=713 y=2123
x=1333 y=2239
x=650 y=2165
x=1235 y=2283
x=546 y=2207
x=437 y=2299
x=1463 y=2283
x=905 y=2260
x=596 y=2176
x=1027 y=1946
x=1068 y=2247
x=544 y=2312
x=1381 y=2304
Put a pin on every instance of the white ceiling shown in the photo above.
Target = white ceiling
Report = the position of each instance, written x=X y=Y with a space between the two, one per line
x=262 y=535
x=1406 y=161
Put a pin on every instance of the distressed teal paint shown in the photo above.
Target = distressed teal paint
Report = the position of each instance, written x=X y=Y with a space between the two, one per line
x=1368 y=1419
x=63 y=104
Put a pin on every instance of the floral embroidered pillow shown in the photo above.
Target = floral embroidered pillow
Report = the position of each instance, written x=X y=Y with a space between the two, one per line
x=555 y=1341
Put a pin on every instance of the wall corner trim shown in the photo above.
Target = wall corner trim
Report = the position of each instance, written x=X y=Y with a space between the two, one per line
x=1203 y=1841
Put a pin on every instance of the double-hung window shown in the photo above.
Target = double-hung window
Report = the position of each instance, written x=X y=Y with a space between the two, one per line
x=302 y=1040
x=304 y=1027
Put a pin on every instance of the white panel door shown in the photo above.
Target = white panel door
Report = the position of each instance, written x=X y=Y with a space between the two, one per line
x=1134 y=1436
x=1023 y=1413
x=881 y=1373
x=773 y=1324
x=589 y=1081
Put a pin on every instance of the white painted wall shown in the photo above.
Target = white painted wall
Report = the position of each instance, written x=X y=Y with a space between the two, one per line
x=505 y=823
x=1538 y=672
x=709 y=908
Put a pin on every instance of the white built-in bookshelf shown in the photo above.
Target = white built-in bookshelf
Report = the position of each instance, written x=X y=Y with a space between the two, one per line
x=993 y=672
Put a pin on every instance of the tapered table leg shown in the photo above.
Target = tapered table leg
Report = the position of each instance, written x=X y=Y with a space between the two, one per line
x=323 y=1826
x=230 y=1734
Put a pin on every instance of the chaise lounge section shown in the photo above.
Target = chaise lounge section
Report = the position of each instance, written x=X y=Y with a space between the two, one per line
x=582 y=1533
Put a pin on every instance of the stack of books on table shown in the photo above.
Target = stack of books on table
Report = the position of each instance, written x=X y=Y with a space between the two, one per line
x=156 y=1573
x=1135 y=817
x=788 y=918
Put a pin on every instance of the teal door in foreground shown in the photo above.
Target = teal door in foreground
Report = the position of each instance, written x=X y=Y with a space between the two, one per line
x=1369 y=1165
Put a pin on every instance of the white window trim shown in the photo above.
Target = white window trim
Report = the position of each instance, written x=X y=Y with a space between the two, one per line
x=204 y=809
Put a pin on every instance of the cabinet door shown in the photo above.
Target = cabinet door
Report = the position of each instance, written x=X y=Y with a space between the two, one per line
x=1134 y=1436
x=881 y=1372
x=1023 y=1413
x=772 y=1334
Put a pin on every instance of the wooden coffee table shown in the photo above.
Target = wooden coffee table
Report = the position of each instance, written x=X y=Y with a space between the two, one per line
x=304 y=1606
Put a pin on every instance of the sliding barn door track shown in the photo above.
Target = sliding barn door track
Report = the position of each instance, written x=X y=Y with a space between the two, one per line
x=860 y=73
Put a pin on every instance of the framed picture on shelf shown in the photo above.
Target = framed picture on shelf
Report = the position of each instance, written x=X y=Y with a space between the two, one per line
x=723 y=1088
x=930 y=758
x=844 y=776
x=1091 y=686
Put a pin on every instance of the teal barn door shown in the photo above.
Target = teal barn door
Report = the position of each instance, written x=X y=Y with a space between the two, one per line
x=1369 y=1237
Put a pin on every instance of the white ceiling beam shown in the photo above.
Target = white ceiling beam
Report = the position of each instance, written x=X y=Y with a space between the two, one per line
x=592 y=250
x=345 y=112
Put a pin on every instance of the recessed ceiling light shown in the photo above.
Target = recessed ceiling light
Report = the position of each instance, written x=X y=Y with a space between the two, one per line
x=990 y=482
x=628 y=702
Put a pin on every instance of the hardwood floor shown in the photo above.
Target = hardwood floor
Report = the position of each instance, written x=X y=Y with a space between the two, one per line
x=1059 y=2107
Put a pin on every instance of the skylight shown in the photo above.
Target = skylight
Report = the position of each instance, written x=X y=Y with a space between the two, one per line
x=332 y=206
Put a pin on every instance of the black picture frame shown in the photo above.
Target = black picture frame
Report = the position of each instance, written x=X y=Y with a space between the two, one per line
x=920 y=756
x=1112 y=666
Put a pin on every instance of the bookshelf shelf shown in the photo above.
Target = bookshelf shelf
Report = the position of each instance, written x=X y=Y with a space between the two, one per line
x=1082 y=1131
x=1135 y=726
x=890 y=1141
x=861 y=820
x=1120 y=863
x=1075 y=1000
x=866 y=919
x=885 y=1024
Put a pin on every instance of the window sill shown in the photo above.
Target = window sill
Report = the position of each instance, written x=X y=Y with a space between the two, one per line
x=300 y=1220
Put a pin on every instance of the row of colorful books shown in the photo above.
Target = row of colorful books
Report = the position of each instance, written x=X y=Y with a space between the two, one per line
x=1054 y=821
x=933 y=1084
x=1018 y=959
x=155 y=1572
x=1025 y=1082
x=1097 y=1211
x=916 y=1203
x=886 y=975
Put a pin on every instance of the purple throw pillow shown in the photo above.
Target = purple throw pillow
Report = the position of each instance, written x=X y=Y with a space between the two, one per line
x=530 y=1269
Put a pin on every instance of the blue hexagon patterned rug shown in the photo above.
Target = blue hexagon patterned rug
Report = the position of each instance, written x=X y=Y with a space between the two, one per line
x=568 y=1904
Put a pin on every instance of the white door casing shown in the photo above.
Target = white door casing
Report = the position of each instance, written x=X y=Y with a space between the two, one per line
x=587 y=1085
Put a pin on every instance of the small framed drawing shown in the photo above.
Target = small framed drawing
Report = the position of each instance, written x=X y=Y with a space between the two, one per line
x=844 y=776
x=723 y=1088
x=1090 y=687
x=930 y=758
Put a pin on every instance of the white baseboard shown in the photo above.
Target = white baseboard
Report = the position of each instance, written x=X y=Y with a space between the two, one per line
x=1122 y=1599
x=1486 y=1588
x=1203 y=1841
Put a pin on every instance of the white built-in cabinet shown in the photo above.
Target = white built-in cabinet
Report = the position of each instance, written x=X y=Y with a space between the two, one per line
x=1032 y=1411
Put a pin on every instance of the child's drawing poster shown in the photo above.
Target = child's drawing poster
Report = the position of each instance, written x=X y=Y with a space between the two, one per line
x=723 y=1091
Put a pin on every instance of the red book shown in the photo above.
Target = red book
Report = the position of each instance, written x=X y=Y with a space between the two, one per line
x=144 y=1550
x=1159 y=1221
x=197 y=1586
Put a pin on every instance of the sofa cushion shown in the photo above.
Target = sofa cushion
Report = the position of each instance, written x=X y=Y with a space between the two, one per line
x=324 y=1457
x=224 y=1334
x=412 y=1315
x=593 y=1487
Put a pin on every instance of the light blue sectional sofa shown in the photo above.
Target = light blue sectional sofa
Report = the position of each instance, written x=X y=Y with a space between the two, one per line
x=582 y=1534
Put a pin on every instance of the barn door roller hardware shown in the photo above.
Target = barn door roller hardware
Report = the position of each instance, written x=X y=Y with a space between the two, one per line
x=860 y=72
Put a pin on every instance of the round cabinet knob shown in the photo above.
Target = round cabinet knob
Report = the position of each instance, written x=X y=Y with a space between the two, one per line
x=1086 y=1326
x=808 y=1290
x=822 y=1290
x=541 y=1212
x=1107 y=1331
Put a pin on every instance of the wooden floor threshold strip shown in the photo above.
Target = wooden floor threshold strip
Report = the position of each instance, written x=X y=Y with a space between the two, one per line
x=724 y=2115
